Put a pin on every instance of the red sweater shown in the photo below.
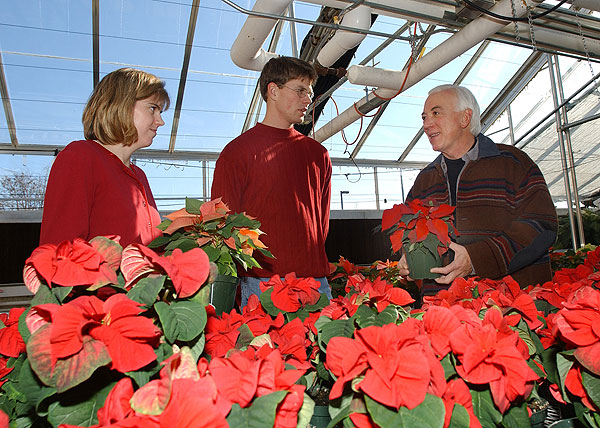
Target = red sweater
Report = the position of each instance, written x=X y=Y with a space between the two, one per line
x=90 y=192
x=282 y=178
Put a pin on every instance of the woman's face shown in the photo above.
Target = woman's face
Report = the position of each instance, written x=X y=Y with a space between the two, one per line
x=147 y=120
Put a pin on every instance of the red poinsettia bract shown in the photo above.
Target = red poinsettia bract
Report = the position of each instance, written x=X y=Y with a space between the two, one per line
x=73 y=263
x=578 y=324
x=491 y=356
x=11 y=342
x=128 y=337
x=397 y=363
x=188 y=271
x=426 y=219
x=292 y=293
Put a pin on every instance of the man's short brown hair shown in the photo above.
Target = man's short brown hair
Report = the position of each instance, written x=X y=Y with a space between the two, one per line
x=283 y=69
x=108 y=114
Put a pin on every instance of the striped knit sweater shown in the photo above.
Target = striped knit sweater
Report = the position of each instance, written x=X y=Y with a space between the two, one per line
x=504 y=212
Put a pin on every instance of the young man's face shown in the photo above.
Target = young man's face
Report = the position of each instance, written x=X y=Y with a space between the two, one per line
x=292 y=100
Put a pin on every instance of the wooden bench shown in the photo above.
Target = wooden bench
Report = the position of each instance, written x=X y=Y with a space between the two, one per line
x=14 y=295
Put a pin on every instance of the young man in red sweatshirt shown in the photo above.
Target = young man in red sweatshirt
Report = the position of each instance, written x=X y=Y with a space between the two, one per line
x=281 y=177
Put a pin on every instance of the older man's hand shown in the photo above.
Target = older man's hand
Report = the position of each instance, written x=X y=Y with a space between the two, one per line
x=403 y=266
x=461 y=265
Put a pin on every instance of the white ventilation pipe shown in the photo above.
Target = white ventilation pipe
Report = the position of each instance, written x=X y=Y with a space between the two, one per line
x=588 y=4
x=247 y=51
x=463 y=40
x=421 y=8
x=563 y=41
x=343 y=41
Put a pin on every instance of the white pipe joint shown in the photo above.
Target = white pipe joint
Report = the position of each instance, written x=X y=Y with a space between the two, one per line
x=246 y=51
x=343 y=41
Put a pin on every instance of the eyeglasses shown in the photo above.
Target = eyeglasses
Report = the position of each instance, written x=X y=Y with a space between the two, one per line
x=302 y=92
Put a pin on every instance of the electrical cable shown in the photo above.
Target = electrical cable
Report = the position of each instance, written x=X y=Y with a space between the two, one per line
x=510 y=18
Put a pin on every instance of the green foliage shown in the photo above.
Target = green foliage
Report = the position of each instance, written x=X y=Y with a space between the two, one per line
x=591 y=229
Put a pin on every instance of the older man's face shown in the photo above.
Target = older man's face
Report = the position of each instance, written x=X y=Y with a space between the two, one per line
x=441 y=123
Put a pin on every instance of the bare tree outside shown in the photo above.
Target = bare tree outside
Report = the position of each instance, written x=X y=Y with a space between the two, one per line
x=22 y=191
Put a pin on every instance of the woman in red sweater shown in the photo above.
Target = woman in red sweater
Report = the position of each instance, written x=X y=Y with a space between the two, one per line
x=93 y=188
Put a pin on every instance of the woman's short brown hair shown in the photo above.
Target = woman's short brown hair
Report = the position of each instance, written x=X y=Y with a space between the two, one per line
x=108 y=114
x=283 y=69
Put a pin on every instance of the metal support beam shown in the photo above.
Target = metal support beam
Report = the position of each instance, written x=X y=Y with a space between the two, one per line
x=184 y=72
x=563 y=155
x=10 y=119
x=569 y=150
x=420 y=46
x=96 y=41
x=465 y=71
x=376 y=179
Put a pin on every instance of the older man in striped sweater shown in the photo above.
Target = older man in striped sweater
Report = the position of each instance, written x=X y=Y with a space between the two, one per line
x=504 y=212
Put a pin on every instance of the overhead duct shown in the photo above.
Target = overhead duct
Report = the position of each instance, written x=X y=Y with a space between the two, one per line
x=463 y=40
x=246 y=51
x=343 y=41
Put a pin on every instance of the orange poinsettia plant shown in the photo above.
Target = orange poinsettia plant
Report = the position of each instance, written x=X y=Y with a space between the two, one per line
x=229 y=239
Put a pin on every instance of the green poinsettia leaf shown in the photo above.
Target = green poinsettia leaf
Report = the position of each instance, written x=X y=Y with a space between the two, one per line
x=449 y=365
x=146 y=290
x=197 y=346
x=182 y=320
x=184 y=243
x=484 y=409
x=162 y=226
x=591 y=383
x=212 y=252
x=240 y=220
x=80 y=406
x=161 y=240
x=44 y=295
x=23 y=329
x=564 y=362
x=267 y=303
x=335 y=328
x=306 y=411
x=260 y=414
x=516 y=416
x=192 y=205
x=460 y=417
x=79 y=367
x=61 y=292
x=33 y=390
x=245 y=337
x=364 y=316
x=428 y=414
x=388 y=316
x=549 y=362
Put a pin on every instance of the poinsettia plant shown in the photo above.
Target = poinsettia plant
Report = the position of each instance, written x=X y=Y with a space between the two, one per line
x=420 y=229
x=229 y=239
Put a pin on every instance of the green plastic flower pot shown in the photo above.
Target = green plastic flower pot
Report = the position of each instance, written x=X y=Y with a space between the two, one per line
x=320 y=417
x=222 y=293
x=420 y=261
x=566 y=423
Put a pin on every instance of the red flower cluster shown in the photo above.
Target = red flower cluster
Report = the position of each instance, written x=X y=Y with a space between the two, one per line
x=489 y=355
x=115 y=324
x=188 y=270
x=292 y=293
x=424 y=219
x=395 y=362
x=378 y=293
x=245 y=376
x=11 y=342
x=73 y=263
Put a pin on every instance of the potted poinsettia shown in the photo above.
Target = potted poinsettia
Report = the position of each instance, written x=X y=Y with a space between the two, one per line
x=229 y=239
x=423 y=231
